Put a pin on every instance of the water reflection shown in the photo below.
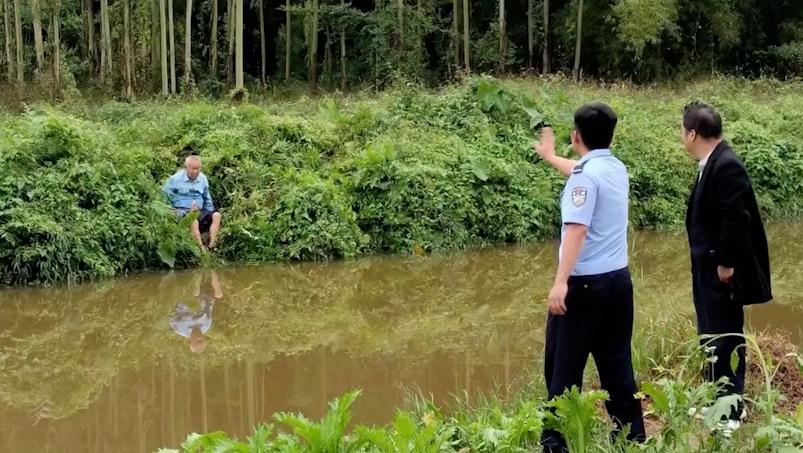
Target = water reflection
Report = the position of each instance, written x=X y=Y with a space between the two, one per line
x=116 y=366
x=193 y=324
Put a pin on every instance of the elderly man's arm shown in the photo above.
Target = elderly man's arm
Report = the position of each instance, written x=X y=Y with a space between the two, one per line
x=209 y=205
x=167 y=189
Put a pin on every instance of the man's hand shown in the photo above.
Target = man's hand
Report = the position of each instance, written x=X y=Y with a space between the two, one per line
x=725 y=274
x=546 y=146
x=194 y=206
x=557 y=299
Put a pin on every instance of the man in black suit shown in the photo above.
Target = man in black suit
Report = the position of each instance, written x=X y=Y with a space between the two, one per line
x=729 y=256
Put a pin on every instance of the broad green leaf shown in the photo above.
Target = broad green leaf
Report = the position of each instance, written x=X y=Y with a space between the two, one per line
x=659 y=398
x=735 y=359
x=487 y=94
x=167 y=252
x=480 y=169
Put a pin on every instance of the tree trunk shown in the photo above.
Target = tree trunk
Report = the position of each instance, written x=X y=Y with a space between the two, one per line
x=57 y=48
x=502 y=38
x=313 y=54
x=262 y=41
x=230 y=33
x=163 y=39
x=188 y=51
x=400 y=19
x=578 y=42
x=213 y=43
x=39 y=43
x=545 y=67
x=530 y=27
x=172 y=33
x=466 y=39
x=287 y=40
x=18 y=42
x=91 y=47
x=8 y=40
x=107 y=30
x=129 y=91
x=456 y=32
x=342 y=56
x=105 y=42
x=156 y=39
x=239 y=82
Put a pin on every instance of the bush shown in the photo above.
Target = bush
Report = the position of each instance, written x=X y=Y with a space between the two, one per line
x=409 y=170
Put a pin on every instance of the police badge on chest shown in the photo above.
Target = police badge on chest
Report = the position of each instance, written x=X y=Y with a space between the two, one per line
x=579 y=196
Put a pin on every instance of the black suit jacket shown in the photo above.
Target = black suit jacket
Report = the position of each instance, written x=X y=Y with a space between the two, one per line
x=724 y=226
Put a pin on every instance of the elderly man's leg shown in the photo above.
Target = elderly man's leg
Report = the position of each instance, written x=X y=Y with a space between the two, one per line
x=195 y=227
x=213 y=229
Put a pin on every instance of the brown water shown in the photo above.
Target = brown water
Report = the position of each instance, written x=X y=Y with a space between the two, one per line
x=98 y=367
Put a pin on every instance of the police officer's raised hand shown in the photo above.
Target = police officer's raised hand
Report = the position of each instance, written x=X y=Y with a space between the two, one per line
x=546 y=146
x=557 y=299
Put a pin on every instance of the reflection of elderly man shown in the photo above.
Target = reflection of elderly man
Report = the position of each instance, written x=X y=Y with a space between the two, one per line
x=194 y=325
x=188 y=190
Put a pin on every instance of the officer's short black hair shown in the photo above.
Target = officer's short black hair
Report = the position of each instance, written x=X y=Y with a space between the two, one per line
x=703 y=119
x=595 y=123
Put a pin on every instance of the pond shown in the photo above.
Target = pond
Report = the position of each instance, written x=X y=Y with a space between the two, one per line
x=108 y=366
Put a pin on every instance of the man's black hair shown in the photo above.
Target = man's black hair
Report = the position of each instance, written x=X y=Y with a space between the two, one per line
x=702 y=118
x=595 y=123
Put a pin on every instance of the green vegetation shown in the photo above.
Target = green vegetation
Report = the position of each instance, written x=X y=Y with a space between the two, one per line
x=130 y=49
x=321 y=179
x=494 y=426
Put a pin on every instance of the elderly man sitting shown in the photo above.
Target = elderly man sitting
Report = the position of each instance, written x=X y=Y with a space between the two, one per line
x=187 y=191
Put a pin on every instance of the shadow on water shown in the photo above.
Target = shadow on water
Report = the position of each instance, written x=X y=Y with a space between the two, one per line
x=134 y=364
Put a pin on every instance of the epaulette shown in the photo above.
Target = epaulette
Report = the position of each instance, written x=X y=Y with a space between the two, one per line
x=578 y=168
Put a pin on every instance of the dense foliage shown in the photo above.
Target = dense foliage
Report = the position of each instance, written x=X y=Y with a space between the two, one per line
x=122 y=48
x=408 y=171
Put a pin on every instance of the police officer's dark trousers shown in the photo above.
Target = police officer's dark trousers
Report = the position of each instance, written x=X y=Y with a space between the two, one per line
x=719 y=311
x=599 y=321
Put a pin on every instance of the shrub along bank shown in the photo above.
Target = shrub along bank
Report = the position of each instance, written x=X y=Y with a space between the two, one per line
x=404 y=171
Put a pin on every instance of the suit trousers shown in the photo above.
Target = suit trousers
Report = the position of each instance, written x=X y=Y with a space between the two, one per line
x=719 y=312
x=598 y=321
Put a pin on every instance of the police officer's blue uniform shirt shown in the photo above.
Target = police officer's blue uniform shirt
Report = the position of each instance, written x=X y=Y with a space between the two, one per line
x=596 y=195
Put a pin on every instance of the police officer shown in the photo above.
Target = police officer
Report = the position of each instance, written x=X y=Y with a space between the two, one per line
x=591 y=301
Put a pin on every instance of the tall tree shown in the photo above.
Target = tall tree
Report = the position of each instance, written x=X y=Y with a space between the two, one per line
x=7 y=38
x=578 y=43
x=163 y=39
x=230 y=32
x=188 y=50
x=530 y=28
x=91 y=48
x=39 y=44
x=466 y=38
x=172 y=34
x=287 y=40
x=502 y=35
x=263 y=53
x=313 y=52
x=18 y=42
x=343 y=54
x=129 y=90
x=213 y=43
x=56 y=21
x=545 y=67
x=400 y=20
x=456 y=32
x=105 y=41
x=239 y=77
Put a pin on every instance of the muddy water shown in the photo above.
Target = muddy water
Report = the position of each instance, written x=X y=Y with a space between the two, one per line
x=109 y=367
